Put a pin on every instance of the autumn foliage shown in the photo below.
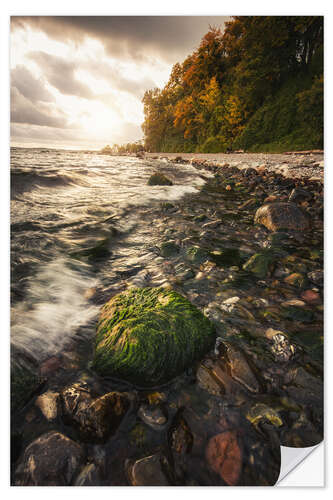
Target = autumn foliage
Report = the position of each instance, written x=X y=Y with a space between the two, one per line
x=227 y=94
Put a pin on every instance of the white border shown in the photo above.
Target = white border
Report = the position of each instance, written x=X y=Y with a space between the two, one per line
x=131 y=7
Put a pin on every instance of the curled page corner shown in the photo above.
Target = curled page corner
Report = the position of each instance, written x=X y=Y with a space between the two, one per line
x=291 y=458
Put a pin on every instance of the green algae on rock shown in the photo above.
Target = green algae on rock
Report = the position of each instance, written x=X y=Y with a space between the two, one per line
x=260 y=264
x=148 y=336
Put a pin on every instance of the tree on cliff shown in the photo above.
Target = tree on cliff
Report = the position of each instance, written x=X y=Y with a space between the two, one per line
x=211 y=97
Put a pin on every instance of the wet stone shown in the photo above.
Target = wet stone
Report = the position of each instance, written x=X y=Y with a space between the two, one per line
x=261 y=412
x=282 y=349
x=159 y=179
x=49 y=404
x=51 y=460
x=317 y=277
x=296 y=279
x=95 y=418
x=241 y=371
x=153 y=415
x=276 y=216
x=298 y=195
x=169 y=249
x=196 y=255
x=180 y=436
x=311 y=297
x=260 y=264
x=224 y=456
x=207 y=381
x=149 y=471
x=89 y=476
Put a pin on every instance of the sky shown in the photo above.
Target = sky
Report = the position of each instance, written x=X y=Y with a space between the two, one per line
x=78 y=82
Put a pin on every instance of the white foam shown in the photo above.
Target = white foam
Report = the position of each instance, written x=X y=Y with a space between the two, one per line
x=58 y=309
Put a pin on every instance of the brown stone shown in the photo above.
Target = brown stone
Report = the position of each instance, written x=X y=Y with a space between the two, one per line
x=51 y=460
x=311 y=297
x=149 y=471
x=282 y=215
x=224 y=456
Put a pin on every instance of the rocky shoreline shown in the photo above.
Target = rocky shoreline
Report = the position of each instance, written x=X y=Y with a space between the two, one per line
x=297 y=165
x=257 y=276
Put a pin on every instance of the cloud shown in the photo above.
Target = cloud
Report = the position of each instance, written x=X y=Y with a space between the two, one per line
x=30 y=87
x=61 y=74
x=117 y=80
x=168 y=37
x=25 y=111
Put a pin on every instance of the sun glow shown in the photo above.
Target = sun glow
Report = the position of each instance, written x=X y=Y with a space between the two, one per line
x=98 y=97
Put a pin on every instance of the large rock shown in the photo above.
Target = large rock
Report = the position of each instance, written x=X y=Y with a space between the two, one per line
x=158 y=179
x=51 y=460
x=281 y=215
x=148 y=336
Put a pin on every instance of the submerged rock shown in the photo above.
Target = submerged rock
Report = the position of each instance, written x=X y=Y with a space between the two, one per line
x=24 y=381
x=281 y=215
x=153 y=415
x=240 y=370
x=282 y=349
x=149 y=471
x=226 y=257
x=196 y=255
x=299 y=195
x=261 y=412
x=158 y=179
x=148 y=336
x=317 y=277
x=169 y=249
x=260 y=264
x=224 y=455
x=51 y=460
x=89 y=476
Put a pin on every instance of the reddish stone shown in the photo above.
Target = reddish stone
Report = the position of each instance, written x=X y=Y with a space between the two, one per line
x=49 y=366
x=224 y=456
x=311 y=297
x=270 y=199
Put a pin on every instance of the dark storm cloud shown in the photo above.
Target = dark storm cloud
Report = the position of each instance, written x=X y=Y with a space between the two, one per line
x=30 y=87
x=25 y=111
x=61 y=74
x=168 y=37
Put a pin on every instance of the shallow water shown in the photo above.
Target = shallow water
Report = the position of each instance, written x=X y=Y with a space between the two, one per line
x=64 y=203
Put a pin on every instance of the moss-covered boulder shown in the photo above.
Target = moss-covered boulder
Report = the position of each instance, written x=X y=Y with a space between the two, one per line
x=282 y=215
x=158 y=179
x=148 y=336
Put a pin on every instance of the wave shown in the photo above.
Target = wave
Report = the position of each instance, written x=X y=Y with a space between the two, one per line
x=27 y=180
